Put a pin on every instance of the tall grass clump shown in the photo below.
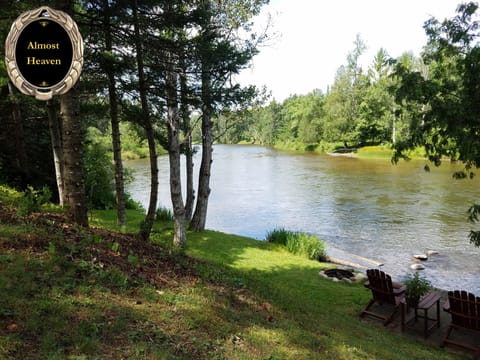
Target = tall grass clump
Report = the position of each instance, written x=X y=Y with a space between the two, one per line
x=278 y=236
x=299 y=243
x=164 y=214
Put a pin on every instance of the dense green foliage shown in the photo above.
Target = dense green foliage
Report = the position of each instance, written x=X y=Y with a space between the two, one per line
x=32 y=200
x=442 y=101
x=358 y=110
x=417 y=285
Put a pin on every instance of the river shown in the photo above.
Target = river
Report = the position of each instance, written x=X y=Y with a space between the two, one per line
x=365 y=207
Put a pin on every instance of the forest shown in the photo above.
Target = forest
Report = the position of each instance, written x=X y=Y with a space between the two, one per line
x=159 y=77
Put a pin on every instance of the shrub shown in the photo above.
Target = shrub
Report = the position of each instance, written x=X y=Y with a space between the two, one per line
x=99 y=172
x=298 y=243
x=308 y=245
x=131 y=204
x=32 y=200
x=417 y=286
x=163 y=214
x=9 y=196
x=278 y=236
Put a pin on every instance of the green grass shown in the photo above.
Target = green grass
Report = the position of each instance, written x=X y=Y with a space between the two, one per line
x=107 y=219
x=375 y=152
x=71 y=293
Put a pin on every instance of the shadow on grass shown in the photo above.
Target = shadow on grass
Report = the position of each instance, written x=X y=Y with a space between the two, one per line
x=326 y=312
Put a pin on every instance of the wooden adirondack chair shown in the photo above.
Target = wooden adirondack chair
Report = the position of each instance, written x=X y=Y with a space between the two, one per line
x=384 y=292
x=464 y=308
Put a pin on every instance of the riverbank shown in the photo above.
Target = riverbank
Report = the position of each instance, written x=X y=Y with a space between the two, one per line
x=326 y=312
x=364 y=152
x=67 y=292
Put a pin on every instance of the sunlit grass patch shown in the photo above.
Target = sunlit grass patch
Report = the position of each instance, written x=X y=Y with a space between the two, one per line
x=107 y=219
x=377 y=152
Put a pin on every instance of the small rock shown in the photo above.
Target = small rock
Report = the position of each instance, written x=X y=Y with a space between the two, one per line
x=321 y=273
x=417 y=267
x=360 y=277
x=12 y=327
x=432 y=252
x=420 y=257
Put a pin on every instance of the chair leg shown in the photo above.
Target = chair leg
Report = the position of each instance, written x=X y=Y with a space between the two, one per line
x=369 y=305
x=390 y=318
x=447 y=335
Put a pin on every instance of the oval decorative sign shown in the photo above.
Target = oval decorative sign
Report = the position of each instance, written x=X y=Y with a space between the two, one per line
x=44 y=53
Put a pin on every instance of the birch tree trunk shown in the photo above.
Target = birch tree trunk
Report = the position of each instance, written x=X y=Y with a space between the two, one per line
x=56 y=139
x=187 y=142
x=74 y=182
x=179 y=237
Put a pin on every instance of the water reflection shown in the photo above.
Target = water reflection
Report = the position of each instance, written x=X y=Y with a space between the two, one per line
x=365 y=207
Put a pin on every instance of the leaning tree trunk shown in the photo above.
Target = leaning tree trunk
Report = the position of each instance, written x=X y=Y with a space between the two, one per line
x=188 y=149
x=179 y=237
x=147 y=125
x=116 y=142
x=73 y=176
x=56 y=139
x=187 y=142
x=200 y=216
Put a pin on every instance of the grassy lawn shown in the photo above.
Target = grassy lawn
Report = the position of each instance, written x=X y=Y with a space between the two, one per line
x=375 y=152
x=324 y=314
x=71 y=293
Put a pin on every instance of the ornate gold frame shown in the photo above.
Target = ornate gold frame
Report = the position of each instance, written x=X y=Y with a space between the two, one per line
x=72 y=76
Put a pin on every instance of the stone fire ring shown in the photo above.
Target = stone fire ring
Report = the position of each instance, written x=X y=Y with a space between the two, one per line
x=345 y=275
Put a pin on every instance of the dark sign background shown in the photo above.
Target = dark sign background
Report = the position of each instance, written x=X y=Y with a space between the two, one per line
x=44 y=31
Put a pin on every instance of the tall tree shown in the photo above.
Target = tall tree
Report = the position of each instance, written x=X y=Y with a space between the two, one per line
x=200 y=215
x=56 y=138
x=74 y=182
x=345 y=97
x=19 y=136
x=221 y=53
x=447 y=101
x=114 y=116
x=174 y=148
x=188 y=151
x=147 y=123
x=72 y=137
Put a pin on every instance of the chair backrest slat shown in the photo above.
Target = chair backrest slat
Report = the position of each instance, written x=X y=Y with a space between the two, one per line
x=381 y=286
x=465 y=309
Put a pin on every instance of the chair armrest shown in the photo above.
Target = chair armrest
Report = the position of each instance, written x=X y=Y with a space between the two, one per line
x=446 y=306
x=400 y=290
